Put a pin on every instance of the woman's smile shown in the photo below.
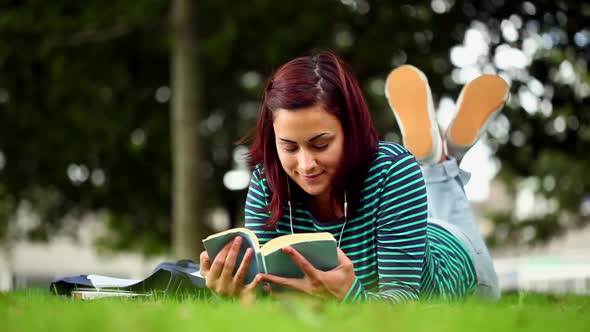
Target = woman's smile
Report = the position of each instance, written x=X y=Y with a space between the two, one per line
x=312 y=178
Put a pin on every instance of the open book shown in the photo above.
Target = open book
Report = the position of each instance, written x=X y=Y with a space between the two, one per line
x=168 y=279
x=318 y=248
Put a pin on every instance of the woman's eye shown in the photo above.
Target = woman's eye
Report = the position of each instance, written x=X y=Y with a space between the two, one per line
x=315 y=147
x=290 y=150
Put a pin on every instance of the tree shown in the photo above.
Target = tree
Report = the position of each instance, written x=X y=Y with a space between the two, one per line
x=84 y=92
x=187 y=222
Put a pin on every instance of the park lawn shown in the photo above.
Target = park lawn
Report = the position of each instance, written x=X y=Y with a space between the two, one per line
x=37 y=310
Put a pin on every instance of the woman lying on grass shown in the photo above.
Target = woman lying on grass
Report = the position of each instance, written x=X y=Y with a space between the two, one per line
x=399 y=213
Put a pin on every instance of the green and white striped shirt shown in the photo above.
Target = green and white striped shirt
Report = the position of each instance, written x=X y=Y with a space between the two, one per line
x=397 y=255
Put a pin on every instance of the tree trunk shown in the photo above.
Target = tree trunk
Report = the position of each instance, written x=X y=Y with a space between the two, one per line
x=188 y=226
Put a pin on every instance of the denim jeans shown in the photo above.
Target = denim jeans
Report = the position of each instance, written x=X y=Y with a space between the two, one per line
x=448 y=207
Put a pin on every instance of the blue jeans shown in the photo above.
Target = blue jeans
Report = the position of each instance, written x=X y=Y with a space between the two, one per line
x=448 y=207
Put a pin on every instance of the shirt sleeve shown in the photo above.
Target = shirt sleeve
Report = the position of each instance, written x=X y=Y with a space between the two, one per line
x=256 y=210
x=401 y=235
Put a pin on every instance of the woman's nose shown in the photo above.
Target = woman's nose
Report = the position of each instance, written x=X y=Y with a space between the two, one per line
x=307 y=162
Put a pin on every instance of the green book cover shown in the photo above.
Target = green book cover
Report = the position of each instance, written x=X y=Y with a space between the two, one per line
x=318 y=248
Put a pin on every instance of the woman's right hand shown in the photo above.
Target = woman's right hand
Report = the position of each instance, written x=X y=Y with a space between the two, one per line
x=219 y=276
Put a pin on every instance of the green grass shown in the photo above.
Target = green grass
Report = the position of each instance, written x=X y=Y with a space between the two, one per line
x=37 y=310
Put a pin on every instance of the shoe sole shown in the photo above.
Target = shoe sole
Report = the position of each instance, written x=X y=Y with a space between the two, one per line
x=407 y=92
x=482 y=97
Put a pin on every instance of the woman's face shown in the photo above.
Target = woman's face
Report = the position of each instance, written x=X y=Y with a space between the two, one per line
x=310 y=143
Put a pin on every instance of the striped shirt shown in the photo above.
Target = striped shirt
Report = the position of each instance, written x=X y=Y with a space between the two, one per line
x=397 y=255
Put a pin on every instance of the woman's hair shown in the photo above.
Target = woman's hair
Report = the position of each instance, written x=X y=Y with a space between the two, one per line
x=303 y=82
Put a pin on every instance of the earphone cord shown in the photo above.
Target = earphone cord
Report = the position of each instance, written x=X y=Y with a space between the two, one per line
x=345 y=214
x=345 y=219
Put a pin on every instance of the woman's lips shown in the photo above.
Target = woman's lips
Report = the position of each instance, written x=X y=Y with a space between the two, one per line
x=311 y=178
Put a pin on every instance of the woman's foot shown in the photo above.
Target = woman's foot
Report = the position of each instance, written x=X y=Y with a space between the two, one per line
x=409 y=97
x=479 y=102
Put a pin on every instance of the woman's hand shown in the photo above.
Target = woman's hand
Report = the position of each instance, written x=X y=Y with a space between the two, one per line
x=336 y=282
x=219 y=275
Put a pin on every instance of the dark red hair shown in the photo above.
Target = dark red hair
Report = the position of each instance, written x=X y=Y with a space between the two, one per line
x=303 y=82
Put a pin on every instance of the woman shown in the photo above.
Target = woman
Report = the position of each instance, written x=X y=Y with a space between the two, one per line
x=404 y=233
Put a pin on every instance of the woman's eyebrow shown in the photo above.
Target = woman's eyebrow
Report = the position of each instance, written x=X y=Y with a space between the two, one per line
x=316 y=137
x=309 y=140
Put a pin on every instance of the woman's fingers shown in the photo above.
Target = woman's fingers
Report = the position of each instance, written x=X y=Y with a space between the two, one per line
x=243 y=269
x=343 y=260
x=267 y=289
x=218 y=262
x=254 y=283
x=248 y=293
x=293 y=283
x=303 y=263
x=204 y=263
x=230 y=260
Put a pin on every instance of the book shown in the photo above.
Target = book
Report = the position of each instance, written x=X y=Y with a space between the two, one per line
x=318 y=248
x=167 y=279
x=92 y=294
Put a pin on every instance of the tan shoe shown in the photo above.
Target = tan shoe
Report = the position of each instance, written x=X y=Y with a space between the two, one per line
x=409 y=97
x=479 y=102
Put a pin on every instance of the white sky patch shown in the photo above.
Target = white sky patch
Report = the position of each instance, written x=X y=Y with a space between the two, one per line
x=78 y=173
x=477 y=40
x=525 y=201
x=509 y=31
x=461 y=57
x=475 y=46
x=507 y=57
x=343 y=38
x=138 y=137
x=566 y=73
x=464 y=75
x=528 y=100
x=98 y=177
x=377 y=87
x=250 y=79
x=559 y=124
x=445 y=112
x=536 y=87
x=237 y=179
x=582 y=90
x=546 y=108
x=163 y=94
x=531 y=44
x=479 y=162
x=441 y=6
x=582 y=38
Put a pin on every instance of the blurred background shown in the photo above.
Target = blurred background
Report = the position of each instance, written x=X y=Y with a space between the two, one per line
x=119 y=122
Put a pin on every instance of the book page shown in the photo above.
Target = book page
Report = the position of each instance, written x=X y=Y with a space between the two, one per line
x=287 y=240
x=102 y=281
x=91 y=295
x=197 y=274
x=251 y=234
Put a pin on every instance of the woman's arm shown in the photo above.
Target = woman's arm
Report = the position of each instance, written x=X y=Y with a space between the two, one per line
x=401 y=235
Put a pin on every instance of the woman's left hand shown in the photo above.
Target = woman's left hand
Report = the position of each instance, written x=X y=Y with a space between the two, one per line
x=336 y=282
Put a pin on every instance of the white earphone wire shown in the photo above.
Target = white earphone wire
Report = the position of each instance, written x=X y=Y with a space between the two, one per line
x=291 y=213
x=345 y=219
x=289 y=203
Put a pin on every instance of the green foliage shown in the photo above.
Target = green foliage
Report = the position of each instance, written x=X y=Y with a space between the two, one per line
x=81 y=129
